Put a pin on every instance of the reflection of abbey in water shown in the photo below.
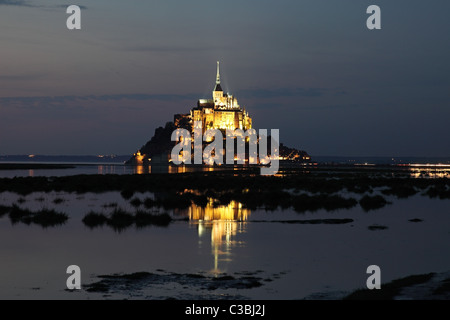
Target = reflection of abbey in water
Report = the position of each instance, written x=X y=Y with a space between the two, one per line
x=223 y=223
x=232 y=211
x=222 y=112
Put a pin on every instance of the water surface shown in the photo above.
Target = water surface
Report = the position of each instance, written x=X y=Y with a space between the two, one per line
x=294 y=261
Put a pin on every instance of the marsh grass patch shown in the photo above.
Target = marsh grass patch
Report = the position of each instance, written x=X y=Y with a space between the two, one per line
x=369 y=203
x=120 y=219
x=43 y=217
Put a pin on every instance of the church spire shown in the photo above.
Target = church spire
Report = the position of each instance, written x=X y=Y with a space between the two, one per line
x=218 y=73
x=218 y=88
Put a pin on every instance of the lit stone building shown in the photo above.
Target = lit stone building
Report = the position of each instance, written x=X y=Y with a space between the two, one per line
x=221 y=112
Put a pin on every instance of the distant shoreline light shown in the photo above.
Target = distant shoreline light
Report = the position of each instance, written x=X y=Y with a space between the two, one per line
x=443 y=165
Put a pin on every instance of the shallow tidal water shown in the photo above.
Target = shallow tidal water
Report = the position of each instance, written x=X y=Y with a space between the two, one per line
x=289 y=260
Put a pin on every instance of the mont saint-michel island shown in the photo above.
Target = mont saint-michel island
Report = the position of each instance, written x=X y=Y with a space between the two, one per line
x=222 y=112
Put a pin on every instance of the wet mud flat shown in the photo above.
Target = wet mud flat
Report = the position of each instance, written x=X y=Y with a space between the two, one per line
x=430 y=286
x=166 y=285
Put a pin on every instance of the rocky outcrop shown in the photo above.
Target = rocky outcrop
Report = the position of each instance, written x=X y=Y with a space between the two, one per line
x=160 y=146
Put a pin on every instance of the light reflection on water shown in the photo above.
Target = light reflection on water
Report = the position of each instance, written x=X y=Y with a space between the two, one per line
x=105 y=169
x=414 y=171
x=146 y=169
x=219 y=225
x=433 y=173
x=224 y=223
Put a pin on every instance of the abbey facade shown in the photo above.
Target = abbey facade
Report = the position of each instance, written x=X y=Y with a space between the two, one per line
x=221 y=112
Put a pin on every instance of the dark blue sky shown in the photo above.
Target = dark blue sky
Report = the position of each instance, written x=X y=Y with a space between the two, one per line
x=309 y=68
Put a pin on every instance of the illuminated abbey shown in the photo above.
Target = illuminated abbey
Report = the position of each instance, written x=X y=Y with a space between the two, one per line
x=221 y=112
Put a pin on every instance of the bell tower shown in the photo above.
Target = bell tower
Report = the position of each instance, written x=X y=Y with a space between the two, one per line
x=218 y=92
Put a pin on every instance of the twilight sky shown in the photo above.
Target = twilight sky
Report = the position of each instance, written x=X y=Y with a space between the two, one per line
x=310 y=68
